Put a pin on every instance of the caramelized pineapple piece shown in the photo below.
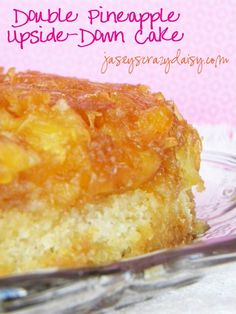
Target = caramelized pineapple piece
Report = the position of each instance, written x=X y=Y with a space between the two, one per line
x=14 y=159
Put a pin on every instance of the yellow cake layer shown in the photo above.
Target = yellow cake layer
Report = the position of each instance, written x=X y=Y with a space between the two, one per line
x=121 y=226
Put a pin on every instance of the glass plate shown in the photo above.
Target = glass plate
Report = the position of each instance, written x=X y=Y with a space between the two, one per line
x=101 y=289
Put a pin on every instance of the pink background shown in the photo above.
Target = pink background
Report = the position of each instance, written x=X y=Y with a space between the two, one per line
x=209 y=27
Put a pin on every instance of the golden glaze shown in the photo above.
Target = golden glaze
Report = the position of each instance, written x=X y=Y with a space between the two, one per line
x=77 y=141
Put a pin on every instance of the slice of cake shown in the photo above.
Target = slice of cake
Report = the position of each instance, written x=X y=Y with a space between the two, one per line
x=91 y=173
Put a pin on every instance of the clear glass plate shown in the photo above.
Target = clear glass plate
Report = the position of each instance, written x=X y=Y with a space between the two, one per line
x=98 y=290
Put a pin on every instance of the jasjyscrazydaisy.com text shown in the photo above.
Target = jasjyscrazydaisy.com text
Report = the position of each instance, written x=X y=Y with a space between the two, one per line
x=166 y=62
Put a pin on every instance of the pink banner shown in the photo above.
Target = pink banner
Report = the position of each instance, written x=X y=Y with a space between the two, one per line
x=194 y=67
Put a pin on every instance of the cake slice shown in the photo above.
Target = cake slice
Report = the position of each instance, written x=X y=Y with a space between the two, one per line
x=91 y=173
